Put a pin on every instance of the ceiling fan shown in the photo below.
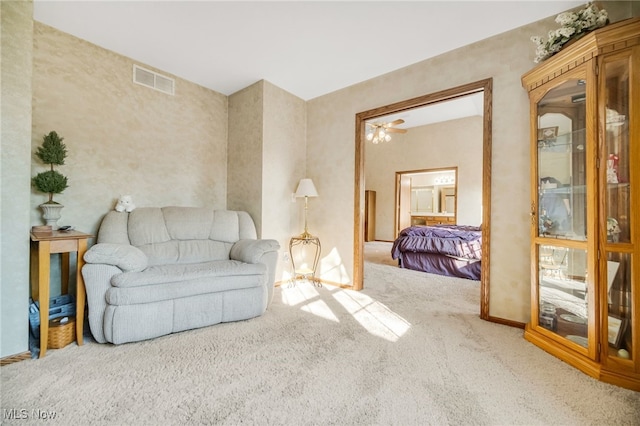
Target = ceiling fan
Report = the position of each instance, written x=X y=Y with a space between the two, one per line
x=379 y=132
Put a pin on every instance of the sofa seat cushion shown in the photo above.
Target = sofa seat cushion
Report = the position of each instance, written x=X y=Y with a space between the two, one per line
x=165 y=282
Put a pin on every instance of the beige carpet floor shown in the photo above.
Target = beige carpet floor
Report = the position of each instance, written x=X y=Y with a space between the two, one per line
x=410 y=349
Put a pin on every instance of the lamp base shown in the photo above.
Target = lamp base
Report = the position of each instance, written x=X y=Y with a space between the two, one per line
x=306 y=235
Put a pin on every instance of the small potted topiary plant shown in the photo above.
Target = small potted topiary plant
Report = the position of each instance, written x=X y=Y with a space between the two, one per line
x=52 y=152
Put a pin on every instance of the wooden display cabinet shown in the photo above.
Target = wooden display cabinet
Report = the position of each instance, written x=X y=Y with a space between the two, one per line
x=585 y=236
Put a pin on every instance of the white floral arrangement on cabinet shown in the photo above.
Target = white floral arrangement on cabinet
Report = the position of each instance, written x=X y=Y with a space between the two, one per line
x=573 y=25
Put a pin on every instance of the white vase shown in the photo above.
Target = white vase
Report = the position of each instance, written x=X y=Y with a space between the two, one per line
x=51 y=214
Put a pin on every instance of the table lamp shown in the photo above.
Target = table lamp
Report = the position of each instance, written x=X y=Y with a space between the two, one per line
x=306 y=189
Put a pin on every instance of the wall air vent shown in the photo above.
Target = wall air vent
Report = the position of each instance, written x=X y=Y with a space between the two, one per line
x=153 y=80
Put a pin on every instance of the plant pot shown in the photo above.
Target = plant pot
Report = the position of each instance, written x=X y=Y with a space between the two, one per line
x=51 y=214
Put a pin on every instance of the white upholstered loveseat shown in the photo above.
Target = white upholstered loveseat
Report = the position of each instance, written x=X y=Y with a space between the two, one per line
x=156 y=271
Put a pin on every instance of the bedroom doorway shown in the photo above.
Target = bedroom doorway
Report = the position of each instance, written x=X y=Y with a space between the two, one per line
x=483 y=87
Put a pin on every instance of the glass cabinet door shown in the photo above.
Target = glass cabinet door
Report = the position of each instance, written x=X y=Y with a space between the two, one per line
x=561 y=162
x=562 y=286
x=616 y=178
x=561 y=243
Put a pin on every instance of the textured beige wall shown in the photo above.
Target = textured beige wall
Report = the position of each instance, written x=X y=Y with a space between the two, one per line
x=244 y=168
x=267 y=130
x=455 y=143
x=284 y=151
x=16 y=35
x=123 y=138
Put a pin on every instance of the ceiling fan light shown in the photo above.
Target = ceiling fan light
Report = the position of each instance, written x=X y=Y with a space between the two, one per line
x=380 y=133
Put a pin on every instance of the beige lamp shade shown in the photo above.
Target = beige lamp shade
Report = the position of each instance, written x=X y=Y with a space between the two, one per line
x=306 y=188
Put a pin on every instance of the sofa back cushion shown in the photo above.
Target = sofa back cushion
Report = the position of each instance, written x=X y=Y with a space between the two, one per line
x=178 y=234
x=188 y=251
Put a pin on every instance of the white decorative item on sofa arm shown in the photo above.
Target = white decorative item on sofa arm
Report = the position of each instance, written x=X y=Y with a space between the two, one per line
x=157 y=271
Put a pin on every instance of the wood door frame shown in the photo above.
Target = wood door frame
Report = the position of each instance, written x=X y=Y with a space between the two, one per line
x=484 y=86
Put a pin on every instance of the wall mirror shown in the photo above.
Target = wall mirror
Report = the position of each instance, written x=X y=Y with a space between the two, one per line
x=433 y=191
x=432 y=194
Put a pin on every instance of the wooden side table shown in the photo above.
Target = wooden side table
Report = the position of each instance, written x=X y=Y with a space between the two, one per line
x=306 y=240
x=42 y=247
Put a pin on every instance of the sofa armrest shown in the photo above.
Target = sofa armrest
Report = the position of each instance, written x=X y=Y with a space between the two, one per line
x=97 y=281
x=126 y=257
x=259 y=251
x=252 y=251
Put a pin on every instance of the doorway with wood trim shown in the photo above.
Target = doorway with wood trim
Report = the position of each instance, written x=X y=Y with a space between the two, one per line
x=485 y=88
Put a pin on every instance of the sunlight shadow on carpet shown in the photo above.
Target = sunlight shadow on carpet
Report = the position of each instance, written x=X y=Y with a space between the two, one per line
x=307 y=297
x=375 y=317
x=372 y=315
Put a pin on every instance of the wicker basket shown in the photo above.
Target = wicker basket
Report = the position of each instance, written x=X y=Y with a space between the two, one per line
x=61 y=334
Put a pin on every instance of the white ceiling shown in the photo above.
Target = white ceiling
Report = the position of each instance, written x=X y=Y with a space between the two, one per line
x=467 y=106
x=307 y=48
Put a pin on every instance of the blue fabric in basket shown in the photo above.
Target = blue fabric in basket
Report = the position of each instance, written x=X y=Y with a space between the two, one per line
x=59 y=306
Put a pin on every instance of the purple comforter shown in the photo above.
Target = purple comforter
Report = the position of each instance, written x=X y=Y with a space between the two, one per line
x=451 y=240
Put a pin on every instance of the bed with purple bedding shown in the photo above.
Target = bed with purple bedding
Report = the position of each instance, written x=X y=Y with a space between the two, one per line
x=452 y=250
